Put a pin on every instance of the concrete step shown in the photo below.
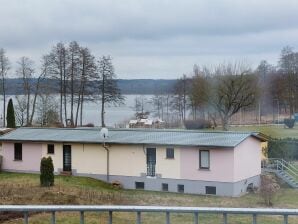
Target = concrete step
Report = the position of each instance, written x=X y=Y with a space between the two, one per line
x=66 y=173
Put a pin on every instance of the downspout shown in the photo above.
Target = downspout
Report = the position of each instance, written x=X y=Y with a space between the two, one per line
x=108 y=161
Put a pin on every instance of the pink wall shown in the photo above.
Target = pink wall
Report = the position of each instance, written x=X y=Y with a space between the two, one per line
x=31 y=157
x=221 y=165
x=247 y=159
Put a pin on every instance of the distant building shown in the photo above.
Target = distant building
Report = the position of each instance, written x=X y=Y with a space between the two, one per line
x=195 y=162
x=146 y=123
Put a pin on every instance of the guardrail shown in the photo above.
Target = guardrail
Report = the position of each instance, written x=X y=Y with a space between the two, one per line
x=254 y=212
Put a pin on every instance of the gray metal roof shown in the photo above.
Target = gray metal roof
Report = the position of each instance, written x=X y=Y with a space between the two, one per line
x=130 y=136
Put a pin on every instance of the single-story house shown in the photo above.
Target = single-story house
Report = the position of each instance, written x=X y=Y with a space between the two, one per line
x=196 y=162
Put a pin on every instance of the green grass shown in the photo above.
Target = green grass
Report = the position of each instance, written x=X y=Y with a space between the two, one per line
x=24 y=189
x=274 y=131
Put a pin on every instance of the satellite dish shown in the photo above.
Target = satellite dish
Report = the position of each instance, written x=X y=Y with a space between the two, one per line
x=104 y=133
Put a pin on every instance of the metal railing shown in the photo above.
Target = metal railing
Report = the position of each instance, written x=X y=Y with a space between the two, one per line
x=196 y=211
x=151 y=169
x=281 y=165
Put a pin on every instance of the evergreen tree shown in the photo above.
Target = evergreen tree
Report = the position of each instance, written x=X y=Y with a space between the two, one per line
x=46 y=172
x=10 y=118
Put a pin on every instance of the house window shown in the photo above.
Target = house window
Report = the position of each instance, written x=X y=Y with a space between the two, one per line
x=180 y=188
x=204 y=159
x=210 y=190
x=51 y=149
x=170 y=153
x=165 y=187
x=140 y=185
x=18 y=151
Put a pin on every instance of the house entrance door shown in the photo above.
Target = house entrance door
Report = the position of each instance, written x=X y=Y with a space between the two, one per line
x=151 y=161
x=66 y=157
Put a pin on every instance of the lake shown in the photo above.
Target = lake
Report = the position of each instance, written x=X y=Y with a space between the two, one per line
x=114 y=114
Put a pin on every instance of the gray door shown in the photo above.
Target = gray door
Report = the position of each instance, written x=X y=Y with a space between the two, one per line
x=66 y=157
x=151 y=161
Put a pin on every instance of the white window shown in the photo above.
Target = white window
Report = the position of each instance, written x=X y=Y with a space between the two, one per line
x=204 y=159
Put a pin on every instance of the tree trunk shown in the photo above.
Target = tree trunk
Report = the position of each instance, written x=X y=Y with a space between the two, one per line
x=103 y=102
x=102 y=113
x=34 y=101
x=61 y=98
x=81 y=112
x=225 y=123
x=4 y=101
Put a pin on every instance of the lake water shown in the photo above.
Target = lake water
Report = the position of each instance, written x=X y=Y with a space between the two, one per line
x=114 y=114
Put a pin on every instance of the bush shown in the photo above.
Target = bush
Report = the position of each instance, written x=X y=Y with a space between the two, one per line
x=289 y=122
x=268 y=188
x=88 y=125
x=197 y=124
x=46 y=172
x=283 y=148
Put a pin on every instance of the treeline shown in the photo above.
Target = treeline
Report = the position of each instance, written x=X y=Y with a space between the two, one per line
x=217 y=93
x=212 y=94
x=127 y=86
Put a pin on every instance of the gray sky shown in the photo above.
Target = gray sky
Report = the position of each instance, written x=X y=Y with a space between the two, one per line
x=152 y=38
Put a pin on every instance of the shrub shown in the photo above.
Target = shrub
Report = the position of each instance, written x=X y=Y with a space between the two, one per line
x=89 y=125
x=289 y=122
x=117 y=184
x=268 y=188
x=283 y=148
x=46 y=172
x=197 y=124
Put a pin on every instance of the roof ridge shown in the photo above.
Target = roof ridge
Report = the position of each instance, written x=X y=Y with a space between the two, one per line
x=144 y=130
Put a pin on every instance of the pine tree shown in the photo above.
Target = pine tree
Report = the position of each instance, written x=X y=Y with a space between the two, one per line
x=10 y=118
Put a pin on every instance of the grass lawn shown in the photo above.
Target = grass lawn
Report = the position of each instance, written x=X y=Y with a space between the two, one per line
x=275 y=131
x=24 y=189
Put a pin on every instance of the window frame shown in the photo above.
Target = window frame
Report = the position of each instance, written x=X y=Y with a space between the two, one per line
x=212 y=188
x=168 y=153
x=180 y=188
x=139 y=182
x=165 y=187
x=18 y=155
x=51 y=153
x=200 y=159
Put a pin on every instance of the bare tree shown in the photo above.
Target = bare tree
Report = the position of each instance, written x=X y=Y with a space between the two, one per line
x=4 y=68
x=235 y=88
x=179 y=100
x=47 y=110
x=31 y=86
x=20 y=110
x=87 y=73
x=108 y=88
x=199 y=92
x=25 y=70
x=58 y=64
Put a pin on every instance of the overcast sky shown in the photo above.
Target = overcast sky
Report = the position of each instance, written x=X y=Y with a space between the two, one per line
x=152 y=38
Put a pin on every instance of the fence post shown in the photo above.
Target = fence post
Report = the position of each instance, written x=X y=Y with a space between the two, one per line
x=82 y=217
x=26 y=218
x=138 y=217
x=225 y=218
x=285 y=219
x=254 y=218
x=196 y=218
x=110 y=217
x=53 y=218
x=167 y=217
